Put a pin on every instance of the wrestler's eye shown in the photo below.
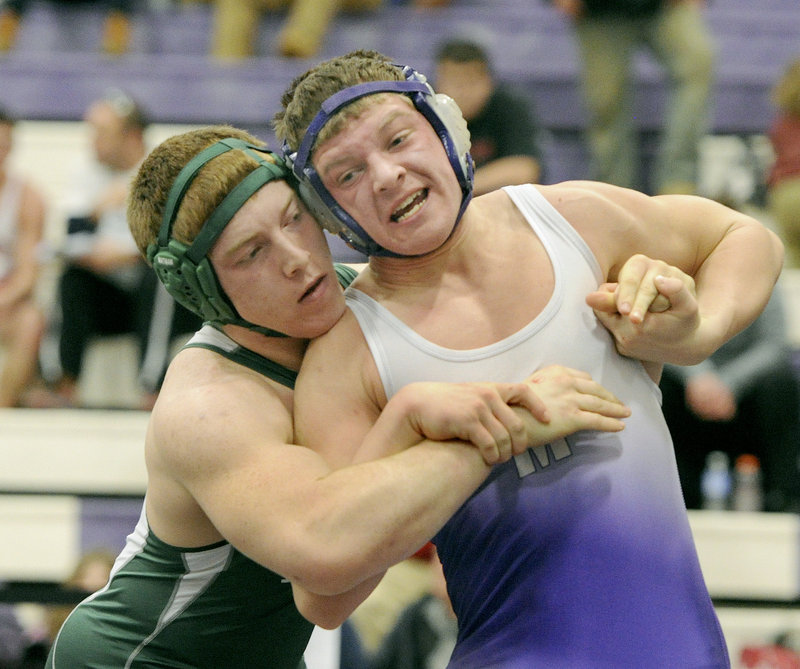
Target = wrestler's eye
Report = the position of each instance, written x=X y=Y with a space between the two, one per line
x=294 y=214
x=397 y=140
x=247 y=254
x=346 y=177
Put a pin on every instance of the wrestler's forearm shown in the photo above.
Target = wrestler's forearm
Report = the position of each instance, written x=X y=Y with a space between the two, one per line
x=373 y=515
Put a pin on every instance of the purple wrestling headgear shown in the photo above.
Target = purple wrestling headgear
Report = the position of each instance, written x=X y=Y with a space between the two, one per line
x=442 y=113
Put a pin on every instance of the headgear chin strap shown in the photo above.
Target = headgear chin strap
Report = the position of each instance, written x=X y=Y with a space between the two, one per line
x=186 y=271
x=442 y=113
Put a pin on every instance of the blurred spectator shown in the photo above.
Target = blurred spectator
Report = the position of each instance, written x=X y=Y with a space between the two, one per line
x=99 y=286
x=25 y=644
x=609 y=33
x=783 y=182
x=501 y=122
x=22 y=212
x=106 y=287
x=13 y=641
x=425 y=633
x=116 y=29
x=401 y=586
x=743 y=399
x=236 y=25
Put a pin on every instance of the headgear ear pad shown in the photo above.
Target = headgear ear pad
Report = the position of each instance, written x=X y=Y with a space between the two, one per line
x=442 y=113
x=186 y=271
x=193 y=285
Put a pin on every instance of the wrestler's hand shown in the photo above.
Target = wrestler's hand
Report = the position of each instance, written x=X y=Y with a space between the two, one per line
x=650 y=310
x=476 y=412
x=643 y=285
x=574 y=402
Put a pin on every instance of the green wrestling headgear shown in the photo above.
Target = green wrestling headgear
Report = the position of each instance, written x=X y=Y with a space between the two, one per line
x=186 y=271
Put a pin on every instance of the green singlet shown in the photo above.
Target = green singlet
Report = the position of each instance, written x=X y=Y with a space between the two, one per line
x=200 y=608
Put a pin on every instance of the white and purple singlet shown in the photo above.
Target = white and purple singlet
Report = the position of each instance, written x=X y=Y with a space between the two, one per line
x=577 y=554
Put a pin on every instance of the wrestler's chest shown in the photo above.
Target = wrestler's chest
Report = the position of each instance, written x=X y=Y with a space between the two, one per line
x=471 y=319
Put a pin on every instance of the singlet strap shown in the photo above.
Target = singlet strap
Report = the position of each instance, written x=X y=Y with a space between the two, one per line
x=213 y=339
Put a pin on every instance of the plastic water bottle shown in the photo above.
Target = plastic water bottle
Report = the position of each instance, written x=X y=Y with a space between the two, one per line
x=715 y=484
x=748 y=494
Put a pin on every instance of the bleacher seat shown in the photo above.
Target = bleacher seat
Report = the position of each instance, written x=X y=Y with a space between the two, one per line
x=49 y=77
x=55 y=69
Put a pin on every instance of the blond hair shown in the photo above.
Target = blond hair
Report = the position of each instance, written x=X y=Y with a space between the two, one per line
x=305 y=95
x=152 y=184
x=786 y=92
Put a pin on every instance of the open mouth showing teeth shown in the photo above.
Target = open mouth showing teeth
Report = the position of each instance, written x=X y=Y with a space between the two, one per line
x=410 y=206
x=312 y=288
